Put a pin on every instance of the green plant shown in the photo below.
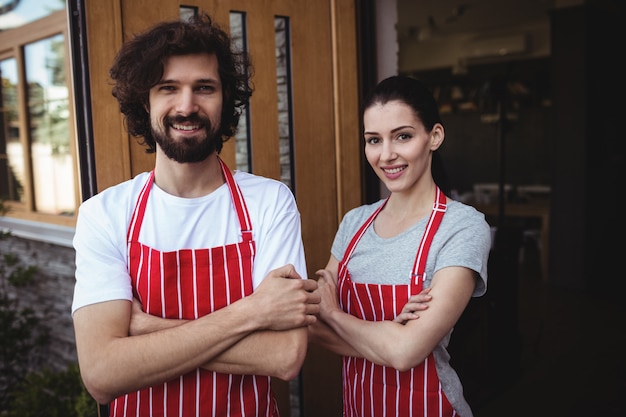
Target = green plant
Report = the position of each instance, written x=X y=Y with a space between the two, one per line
x=52 y=394
x=27 y=388
x=22 y=334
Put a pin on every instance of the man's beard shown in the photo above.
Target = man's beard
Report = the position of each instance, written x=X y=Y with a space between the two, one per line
x=189 y=149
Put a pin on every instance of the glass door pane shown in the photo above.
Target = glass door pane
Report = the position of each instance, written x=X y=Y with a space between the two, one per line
x=11 y=150
x=48 y=115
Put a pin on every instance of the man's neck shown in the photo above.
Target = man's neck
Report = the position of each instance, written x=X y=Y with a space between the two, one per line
x=188 y=180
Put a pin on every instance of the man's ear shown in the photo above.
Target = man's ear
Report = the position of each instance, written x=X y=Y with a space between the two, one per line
x=437 y=135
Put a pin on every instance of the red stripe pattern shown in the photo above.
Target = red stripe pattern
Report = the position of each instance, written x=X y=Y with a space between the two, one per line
x=372 y=390
x=188 y=284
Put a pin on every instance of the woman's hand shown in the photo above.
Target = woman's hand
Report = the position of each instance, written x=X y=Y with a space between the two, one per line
x=327 y=289
x=418 y=302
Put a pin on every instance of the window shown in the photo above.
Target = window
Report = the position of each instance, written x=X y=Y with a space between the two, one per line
x=38 y=170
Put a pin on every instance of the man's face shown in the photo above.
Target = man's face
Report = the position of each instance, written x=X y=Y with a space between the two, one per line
x=186 y=106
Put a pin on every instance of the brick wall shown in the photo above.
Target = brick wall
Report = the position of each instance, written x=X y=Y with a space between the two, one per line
x=51 y=296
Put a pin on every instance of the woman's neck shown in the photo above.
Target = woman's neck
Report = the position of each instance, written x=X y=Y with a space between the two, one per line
x=403 y=210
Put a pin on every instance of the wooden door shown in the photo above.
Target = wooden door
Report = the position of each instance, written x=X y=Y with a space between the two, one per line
x=313 y=96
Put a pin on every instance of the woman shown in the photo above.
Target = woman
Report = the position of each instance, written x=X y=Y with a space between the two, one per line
x=385 y=254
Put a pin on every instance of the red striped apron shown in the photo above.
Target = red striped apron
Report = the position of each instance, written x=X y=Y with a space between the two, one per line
x=188 y=284
x=379 y=391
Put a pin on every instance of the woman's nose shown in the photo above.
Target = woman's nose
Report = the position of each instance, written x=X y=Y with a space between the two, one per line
x=387 y=152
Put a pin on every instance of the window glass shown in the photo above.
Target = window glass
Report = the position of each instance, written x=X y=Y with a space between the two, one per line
x=242 y=138
x=16 y=13
x=49 y=124
x=283 y=82
x=11 y=150
x=239 y=43
x=187 y=12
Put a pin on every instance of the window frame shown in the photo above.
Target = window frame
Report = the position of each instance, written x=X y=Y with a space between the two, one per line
x=22 y=219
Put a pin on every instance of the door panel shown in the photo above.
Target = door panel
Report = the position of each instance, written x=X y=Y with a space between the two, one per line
x=315 y=97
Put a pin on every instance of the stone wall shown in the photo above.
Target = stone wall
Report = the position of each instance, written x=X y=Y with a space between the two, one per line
x=51 y=295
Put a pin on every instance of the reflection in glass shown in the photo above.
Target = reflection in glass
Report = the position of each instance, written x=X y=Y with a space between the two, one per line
x=283 y=81
x=242 y=138
x=187 y=12
x=11 y=150
x=48 y=115
x=285 y=134
x=16 y=13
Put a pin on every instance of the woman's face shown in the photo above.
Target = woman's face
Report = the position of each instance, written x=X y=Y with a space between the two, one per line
x=397 y=145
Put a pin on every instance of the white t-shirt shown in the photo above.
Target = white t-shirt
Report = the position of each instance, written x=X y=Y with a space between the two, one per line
x=173 y=223
x=462 y=239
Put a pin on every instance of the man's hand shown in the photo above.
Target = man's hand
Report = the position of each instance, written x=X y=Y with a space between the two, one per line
x=143 y=323
x=284 y=300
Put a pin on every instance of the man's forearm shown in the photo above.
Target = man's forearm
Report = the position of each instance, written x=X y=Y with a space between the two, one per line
x=321 y=334
x=275 y=353
x=112 y=363
x=278 y=354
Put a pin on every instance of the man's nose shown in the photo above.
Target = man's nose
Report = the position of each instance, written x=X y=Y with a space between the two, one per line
x=186 y=103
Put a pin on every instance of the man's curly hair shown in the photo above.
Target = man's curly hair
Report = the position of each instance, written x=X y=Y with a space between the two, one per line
x=138 y=67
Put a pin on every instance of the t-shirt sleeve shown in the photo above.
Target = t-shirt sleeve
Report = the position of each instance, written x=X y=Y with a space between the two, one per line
x=467 y=246
x=280 y=238
x=101 y=271
x=350 y=225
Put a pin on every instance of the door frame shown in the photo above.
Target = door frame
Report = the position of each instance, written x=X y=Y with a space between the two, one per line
x=114 y=157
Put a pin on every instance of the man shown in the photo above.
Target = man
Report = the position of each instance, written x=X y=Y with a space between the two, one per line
x=189 y=292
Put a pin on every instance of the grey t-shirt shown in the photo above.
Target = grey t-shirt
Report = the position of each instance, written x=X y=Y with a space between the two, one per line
x=463 y=239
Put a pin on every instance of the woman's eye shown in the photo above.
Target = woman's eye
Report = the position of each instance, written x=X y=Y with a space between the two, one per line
x=371 y=140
